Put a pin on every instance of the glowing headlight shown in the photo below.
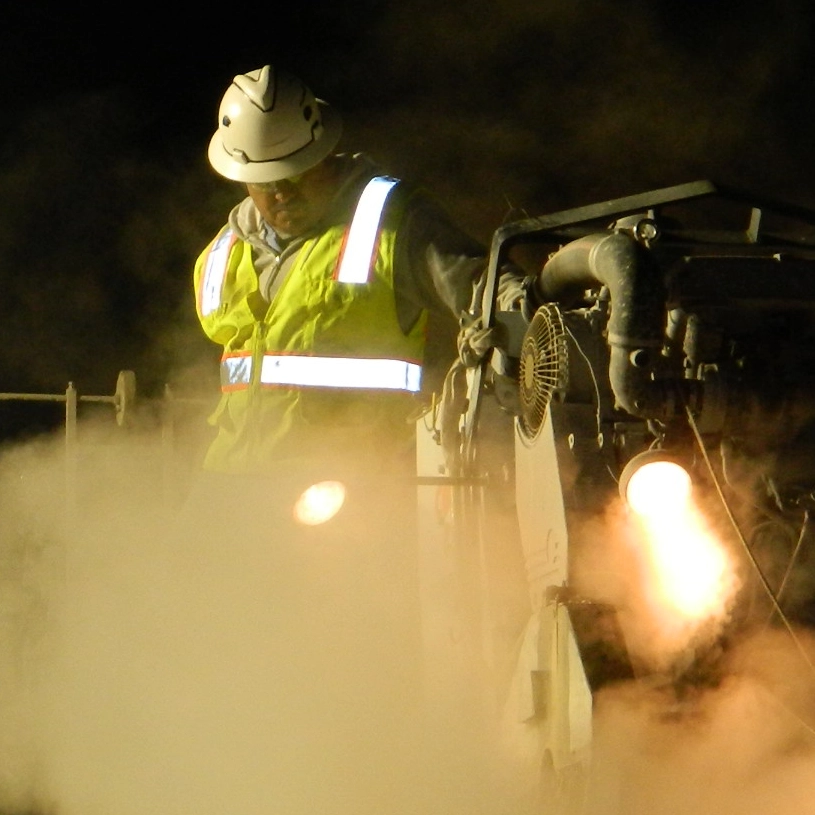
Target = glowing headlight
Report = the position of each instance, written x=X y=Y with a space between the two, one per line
x=688 y=570
x=654 y=484
x=319 y=503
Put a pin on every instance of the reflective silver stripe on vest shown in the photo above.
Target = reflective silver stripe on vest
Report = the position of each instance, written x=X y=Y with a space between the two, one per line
x=236 y=371
x=214 y=272
x=341 y=372
x=325 y=372
x=360 y=244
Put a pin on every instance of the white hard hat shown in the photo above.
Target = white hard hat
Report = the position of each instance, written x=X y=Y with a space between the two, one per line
x=270 y=126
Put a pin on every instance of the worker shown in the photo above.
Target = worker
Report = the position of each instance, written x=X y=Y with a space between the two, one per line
x=335 y=289
x=337 y=293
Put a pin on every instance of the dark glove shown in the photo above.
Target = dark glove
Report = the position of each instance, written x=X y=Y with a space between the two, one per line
x=530 y=302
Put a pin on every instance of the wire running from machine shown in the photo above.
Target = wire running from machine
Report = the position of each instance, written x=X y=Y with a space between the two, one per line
x=742 y=540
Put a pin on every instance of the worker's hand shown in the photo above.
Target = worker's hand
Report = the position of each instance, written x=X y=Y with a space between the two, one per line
x=475 y=340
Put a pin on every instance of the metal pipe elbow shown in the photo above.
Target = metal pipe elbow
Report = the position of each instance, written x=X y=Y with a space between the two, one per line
x=637 y=319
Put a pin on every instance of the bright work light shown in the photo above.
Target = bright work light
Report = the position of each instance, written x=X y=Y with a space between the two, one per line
x=655 y=483
x=689 y=570
x=319 y=503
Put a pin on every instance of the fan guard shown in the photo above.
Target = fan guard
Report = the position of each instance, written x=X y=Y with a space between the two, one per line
x=543 y=367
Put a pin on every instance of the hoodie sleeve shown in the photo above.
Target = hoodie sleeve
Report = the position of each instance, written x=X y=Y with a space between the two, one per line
x=441 y=268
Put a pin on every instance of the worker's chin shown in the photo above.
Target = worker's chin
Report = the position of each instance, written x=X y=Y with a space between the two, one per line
x=290 y=224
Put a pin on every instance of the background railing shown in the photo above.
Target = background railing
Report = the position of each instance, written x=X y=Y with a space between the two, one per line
x=154 y=421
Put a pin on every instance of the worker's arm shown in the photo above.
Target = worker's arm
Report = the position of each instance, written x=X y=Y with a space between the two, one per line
x=441 y=268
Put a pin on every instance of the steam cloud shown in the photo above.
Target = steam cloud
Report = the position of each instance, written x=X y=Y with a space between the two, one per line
x=157 y=661
x=141 y=671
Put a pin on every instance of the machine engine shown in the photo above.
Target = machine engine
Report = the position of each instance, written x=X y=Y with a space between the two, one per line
x=675 y=325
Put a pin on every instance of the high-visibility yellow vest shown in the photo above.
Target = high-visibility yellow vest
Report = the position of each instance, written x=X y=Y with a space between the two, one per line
x=327 y=369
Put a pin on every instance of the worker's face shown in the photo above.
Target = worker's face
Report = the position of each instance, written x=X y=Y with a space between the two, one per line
x=292 y=206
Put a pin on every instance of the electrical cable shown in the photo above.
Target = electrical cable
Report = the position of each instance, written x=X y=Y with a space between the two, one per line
x=762 y=579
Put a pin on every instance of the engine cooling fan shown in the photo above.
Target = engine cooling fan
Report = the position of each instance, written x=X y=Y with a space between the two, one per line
x=543 y=367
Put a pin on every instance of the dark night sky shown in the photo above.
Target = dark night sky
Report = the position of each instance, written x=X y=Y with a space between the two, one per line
x=504 y=109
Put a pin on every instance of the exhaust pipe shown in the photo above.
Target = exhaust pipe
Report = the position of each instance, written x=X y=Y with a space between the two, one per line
x=637 y=322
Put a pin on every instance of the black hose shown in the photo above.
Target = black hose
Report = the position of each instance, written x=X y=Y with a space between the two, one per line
x=637 y=321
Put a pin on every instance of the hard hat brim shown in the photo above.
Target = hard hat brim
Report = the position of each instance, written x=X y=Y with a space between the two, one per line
x=261 y=172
